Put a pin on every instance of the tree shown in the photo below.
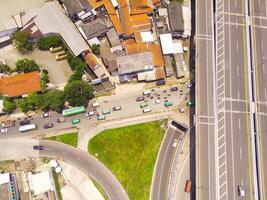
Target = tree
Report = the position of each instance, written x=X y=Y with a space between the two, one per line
x=9 y=105
x=54 y=100
x=77 y=93
x=45 y=77
x=35 y=101
x=75 y=62
x=22 y=104
x=21 y=41
x=26 y=65
x=78 y=73
x=45 y=43
x=96 y=49
x=4 y=68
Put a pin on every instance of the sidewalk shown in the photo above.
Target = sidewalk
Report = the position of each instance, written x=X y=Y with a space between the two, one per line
x=79 y=186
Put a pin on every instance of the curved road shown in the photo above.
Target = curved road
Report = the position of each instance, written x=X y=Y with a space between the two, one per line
x=22 y=148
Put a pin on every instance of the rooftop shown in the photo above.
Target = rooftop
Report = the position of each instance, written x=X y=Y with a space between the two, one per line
x=75 y=6
x=20 y=84
x=176 y=16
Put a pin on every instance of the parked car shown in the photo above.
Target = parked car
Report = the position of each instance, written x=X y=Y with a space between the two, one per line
x=46 y=114
x=174 y=89
x=116 y=108
x=60 y=120
x=160 y=82
x=92 y=113
x=140 y=98
x=3 y=130
x=8 y=124
x=38 y=147
x=49 y=125
x=157 y=101
x=24 y=122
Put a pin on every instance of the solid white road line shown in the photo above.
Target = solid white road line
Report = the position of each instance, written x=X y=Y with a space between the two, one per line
x=240 y=153
x=237 y=70
x=238 y=95
x=265 y=93
x=237 y=46
x=239 y=124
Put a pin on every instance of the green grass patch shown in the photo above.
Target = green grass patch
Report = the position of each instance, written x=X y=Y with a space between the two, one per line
x=100 y=189
x=68 y=138
x=130 y=153
x=55 y=176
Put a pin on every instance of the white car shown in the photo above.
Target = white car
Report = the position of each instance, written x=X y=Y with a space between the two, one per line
x=3 y=130
x=157 y=101
x=46 y=114
x=241 y=191
x=189 y=85
x=175 y=142
x=90 y=114
x=182 y=110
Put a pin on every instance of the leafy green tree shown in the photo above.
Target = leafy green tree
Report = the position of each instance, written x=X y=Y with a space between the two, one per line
x=75 y=62
x=77 y=75
x=4 y=68
x=45 y=43
x=23 y=105
x=96 y=49
x=21 y=41
x=26 y=65
x=35 y=101
x=78 y=93
x=9 y=105
x=54 y=100
x=45 y=77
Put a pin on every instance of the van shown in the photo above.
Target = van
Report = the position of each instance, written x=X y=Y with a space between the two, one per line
x=146 y=110
x=147 y=92
x=95 y=105
x=188 y=186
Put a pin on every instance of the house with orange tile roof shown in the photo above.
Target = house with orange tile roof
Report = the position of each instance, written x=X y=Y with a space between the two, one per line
x=22 y=84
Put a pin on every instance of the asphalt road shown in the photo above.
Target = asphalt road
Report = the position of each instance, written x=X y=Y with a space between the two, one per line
x=204 y=118
x=259 y=25
x=163 y=166
x=130 y=108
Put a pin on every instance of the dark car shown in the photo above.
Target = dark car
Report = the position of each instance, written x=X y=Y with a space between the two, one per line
x=140 y=98
x=38 y=147
x=160 y=82
x=174 y=89
x=49 y=125
x=24 y=122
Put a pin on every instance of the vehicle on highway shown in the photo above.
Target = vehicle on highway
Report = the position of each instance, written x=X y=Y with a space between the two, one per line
x=27 y=127
x=116 y=108
x=167 y=104
x=88 y=114
x=75 y=121
x=175 y=142
x=8 y=124
x=160 y=82
x=73 y=111
x=241 y=191
x=182 y=110
x=157 y=101
x=190 y=103
x=143 y=105
x=174 y=89
x=140 y=98
x=105 y=112
x=60 y=120
x=24 y=122
x=3 y=130
x=46 y=114
x=146 y=92
x=95 y=105
x=49 y=125
x=146 y=110
x=38 y=147
x=188 y=186
x=189 y=85
x=101 y=117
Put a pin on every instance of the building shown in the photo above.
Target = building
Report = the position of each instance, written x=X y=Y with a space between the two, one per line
x=176 y=21
x=76 y=8
x=113 y=38
x=49 y=19
x=96 y=28
x=170 y=46
x=9 y=187
x=21 y=84
x=135 y=63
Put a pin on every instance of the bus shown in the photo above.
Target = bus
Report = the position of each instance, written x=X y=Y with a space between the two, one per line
x=75 y=121
x=167 y=104
x=73 y=111
x=101 y=117
x=27 y=127
x=105 y=112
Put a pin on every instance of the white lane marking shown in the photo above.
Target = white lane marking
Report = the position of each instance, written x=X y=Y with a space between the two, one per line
x=236 y=24
x=237 y=70
x=239 y=124
x=240 y=153
x=263 y=68
x=237 y=46
x=265 y=93
x=238 y=95
x=242 y=182
x=262 y=45
x=235 y=3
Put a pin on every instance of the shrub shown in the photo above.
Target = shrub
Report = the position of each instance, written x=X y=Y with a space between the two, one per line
x=45 y=43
